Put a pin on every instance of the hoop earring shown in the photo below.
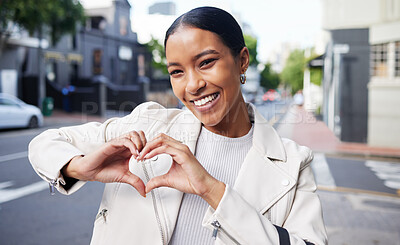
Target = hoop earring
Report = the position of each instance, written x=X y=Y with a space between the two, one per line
x=243 y=78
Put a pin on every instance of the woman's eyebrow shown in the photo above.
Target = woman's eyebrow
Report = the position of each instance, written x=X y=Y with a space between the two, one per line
x=196 y=57
x=173 y=64
x=205 y=52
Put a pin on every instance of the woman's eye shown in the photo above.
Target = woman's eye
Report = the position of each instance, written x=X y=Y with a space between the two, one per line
x=175 y=72
x=207 y=62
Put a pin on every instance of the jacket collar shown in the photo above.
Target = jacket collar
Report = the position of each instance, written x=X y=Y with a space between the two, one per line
x=265 y=139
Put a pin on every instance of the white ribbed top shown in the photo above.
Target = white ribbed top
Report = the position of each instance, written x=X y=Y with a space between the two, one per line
x=222 y=157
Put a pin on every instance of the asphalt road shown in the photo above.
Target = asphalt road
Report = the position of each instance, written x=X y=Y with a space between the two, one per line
x=30 y=215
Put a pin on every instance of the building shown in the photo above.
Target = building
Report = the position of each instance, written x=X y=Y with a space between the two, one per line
x=103 y=55
x=361 y=70
x=164 y=8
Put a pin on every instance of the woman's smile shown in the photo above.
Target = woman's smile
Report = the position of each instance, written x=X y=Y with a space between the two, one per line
x=206 y=103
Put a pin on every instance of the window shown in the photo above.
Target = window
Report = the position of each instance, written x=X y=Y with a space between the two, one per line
x=379 y=60
x=397 y=59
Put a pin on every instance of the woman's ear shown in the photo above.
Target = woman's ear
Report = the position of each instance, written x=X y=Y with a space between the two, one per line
x=244 y=59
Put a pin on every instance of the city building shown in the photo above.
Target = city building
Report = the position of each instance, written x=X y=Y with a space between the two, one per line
x=164 y=8
x=103 y=55
x=362 y=70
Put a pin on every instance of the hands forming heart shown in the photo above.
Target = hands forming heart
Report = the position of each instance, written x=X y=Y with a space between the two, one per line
x=110 y=163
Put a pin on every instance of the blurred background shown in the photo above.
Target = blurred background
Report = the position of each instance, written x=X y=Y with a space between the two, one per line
x=325 y=73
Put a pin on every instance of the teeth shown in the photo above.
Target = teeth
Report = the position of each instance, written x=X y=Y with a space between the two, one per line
x=205 y=100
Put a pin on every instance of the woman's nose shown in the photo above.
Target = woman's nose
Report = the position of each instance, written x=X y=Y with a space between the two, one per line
x=195 y=84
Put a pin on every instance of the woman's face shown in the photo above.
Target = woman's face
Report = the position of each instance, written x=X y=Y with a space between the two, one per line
x=204 y=74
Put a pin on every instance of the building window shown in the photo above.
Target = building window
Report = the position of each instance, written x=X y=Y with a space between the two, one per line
x=397 y=59
x=123 y=72
x=379 y=60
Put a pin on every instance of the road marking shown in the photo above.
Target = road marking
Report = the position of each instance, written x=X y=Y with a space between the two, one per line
x=321 y=170
x=7 y=195
x=388 y=172
x=354 y=190
x=13 y=156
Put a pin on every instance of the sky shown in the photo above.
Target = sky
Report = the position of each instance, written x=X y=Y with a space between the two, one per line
x=272 y=21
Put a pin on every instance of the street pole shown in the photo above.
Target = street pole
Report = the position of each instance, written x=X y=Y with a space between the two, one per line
x=41 y=81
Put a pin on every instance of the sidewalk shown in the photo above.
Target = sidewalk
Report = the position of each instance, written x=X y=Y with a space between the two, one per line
x=350 y=217
x=302 y=127
x=59 y=117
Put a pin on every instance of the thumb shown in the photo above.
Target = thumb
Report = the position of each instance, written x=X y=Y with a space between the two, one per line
x=156 y=182
x=134 y=181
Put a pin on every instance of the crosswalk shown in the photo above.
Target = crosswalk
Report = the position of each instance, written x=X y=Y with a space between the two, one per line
x=386 y=174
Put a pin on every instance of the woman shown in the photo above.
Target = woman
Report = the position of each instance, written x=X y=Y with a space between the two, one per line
x=228 y=174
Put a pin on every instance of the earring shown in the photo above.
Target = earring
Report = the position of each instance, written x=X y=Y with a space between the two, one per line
x=243 y=78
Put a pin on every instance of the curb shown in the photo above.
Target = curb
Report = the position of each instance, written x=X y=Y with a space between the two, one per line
x=360 y=155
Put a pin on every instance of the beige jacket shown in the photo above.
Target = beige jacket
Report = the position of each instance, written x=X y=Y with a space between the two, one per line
x=275 y=185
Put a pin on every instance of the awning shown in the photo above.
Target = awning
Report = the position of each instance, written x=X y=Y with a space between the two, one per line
x=317 y=62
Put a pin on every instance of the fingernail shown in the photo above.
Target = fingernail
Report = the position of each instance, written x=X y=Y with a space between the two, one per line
x=145 y=157
x=137 y=152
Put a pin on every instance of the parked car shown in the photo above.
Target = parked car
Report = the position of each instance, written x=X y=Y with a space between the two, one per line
x=271 y=95
x=14 y=113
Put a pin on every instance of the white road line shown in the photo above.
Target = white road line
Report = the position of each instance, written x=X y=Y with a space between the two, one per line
x=323 y=175
x=13 y=156
x=11 y=194
x=386 y=171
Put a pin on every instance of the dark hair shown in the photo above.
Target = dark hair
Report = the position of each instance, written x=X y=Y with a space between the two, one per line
x=214 y=20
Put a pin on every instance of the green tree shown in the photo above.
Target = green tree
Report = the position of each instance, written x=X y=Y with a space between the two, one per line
x=269 y=78
x=159 y=61
x=293 y=71
x=251 y=44
x=315 y=72
x=57 y=16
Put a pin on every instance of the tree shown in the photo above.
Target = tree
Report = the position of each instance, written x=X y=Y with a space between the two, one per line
x=159 y=61
x=269 y=78
x=57 y=16
x=293 y=71
x=251 y=44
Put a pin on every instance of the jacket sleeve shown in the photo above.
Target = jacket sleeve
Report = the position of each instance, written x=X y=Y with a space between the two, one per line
x=51 y=150
x=240 y=223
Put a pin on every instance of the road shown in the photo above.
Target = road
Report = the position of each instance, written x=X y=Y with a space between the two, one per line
x=30 y=215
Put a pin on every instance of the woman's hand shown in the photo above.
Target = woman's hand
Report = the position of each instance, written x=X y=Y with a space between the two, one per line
x=186 y=173
x=110 y=163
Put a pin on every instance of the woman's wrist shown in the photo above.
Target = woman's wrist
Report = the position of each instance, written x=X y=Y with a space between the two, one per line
x=214 y=196
x=68 y=169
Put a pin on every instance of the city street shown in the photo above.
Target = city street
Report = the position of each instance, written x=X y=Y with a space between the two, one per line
x=30 y=215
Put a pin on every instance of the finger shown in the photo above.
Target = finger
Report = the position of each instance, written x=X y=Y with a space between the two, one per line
x=135 y=138
x=136 y=182
x=117 y=144
x=156 y=182
x=160 y=140
x=142 y=138
x=177 y=155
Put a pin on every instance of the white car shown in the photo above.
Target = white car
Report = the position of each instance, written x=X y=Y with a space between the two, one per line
x=14 y=113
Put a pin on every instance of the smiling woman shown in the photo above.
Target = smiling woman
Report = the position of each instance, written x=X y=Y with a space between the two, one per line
x=226 y=176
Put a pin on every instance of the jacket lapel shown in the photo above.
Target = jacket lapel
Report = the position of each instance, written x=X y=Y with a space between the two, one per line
x=261 y=180
x=186 y=129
